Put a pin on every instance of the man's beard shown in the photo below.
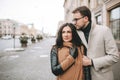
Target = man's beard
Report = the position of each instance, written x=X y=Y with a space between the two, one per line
x=80 y=28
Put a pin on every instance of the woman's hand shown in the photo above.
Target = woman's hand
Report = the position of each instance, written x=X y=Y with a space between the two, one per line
x=74 y=52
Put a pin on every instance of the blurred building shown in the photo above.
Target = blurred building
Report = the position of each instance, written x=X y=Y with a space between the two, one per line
x=12 y=27
x=33 y=31
x=104 y=12
x=7 y=27
x=23 y=29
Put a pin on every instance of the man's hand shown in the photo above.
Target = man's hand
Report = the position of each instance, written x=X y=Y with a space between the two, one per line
x=86 y=61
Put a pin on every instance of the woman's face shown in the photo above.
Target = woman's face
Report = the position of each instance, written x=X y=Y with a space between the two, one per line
x=67 y=34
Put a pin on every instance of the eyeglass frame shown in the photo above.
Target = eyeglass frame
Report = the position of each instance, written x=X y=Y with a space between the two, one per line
x=76 y=19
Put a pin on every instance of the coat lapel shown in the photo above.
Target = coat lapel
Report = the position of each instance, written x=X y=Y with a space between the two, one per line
x=90 y=34
x=81 y=35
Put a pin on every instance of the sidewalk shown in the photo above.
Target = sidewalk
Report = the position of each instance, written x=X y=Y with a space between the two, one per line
x=33 y=63
x=11 y=51
x=14 y=49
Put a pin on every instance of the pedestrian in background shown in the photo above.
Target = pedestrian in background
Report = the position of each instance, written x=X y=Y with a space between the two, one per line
x=66 y=55
x=101 y=51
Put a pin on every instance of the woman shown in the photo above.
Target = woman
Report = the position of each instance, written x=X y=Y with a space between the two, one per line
x=66 y=54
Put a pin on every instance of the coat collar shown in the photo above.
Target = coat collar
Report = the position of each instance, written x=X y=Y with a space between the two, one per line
x=82 y=36
x=67 y=44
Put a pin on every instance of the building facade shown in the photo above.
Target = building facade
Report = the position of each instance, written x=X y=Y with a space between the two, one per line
x=104 y=12
x=11 y=28
x=7 y=27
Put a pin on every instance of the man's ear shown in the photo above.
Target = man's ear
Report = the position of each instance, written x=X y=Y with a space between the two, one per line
x=86 y=18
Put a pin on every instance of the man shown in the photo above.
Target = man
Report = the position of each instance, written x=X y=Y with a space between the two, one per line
x=100 y=47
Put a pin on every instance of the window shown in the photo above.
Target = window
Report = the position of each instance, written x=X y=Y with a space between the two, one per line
x=99 y=19
x=115 y=22
x=88 y=3
x=99 y=2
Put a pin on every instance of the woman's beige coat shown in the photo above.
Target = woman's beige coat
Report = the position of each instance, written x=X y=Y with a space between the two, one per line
x=72 y=67
x=102 y=49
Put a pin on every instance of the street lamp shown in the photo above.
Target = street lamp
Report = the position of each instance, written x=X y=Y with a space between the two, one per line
x=14 y=35
x=31 y=25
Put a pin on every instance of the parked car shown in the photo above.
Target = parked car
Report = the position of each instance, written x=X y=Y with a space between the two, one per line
x=6 y=37
x=17 y=37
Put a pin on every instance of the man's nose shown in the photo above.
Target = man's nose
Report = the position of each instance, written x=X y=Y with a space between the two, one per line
x=74 y=22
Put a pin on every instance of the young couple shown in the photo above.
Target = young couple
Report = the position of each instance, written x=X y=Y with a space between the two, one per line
x=83 y=51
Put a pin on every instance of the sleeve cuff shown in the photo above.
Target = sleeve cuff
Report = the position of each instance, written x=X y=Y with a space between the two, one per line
x=92 y=64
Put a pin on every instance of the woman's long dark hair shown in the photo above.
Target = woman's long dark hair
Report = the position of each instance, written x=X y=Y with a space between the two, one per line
x=75 y=37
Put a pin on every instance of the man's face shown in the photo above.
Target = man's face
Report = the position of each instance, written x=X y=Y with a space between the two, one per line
x=78 y=20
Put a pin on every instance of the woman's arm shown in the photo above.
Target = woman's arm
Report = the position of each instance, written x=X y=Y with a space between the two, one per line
x=64 y=65
x=56 y=68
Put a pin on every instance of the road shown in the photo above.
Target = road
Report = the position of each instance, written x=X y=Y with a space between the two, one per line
x=10 y=43
x=33 y=63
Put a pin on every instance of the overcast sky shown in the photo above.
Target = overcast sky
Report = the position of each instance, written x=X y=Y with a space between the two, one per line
x=43 y=13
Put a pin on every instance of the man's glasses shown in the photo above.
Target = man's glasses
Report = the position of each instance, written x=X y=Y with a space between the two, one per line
x=76 y=19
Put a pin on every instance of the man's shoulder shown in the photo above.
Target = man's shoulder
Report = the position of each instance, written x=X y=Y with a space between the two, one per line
x=102 y=27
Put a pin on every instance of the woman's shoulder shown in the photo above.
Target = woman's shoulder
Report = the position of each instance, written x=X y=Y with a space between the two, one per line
x=54 y=47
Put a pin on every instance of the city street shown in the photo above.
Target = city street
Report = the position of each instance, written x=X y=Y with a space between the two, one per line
x=33 y=63
x=28 y=31
x=11 y=43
